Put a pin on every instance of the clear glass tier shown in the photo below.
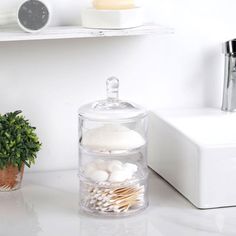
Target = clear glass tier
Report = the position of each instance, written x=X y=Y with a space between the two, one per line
x=114 y=200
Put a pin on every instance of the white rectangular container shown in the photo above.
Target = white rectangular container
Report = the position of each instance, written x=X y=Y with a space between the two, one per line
x=195 y=151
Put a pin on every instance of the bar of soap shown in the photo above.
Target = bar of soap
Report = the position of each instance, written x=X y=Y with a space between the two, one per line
x=112 y=138
x=113 y=4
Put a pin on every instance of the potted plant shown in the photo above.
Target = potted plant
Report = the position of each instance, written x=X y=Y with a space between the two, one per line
x=19 y=145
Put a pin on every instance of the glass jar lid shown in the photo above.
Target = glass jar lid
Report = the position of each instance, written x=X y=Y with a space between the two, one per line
x=112 y=108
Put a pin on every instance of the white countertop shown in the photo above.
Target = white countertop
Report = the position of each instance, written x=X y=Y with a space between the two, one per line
x=47 y=205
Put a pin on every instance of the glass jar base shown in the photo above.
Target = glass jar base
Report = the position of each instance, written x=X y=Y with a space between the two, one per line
x=114 y=215
x=113 y=199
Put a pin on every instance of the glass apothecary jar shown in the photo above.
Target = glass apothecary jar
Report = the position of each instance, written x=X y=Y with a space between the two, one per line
x=113 y=156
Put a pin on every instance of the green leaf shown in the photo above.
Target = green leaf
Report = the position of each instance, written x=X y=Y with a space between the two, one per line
x=18 y=141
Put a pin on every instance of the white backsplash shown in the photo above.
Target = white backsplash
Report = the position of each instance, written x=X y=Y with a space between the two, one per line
x=49 y=80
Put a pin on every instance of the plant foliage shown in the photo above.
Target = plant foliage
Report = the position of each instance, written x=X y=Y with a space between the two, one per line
x=18 y=141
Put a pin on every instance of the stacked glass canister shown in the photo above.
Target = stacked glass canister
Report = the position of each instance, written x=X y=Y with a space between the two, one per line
x=113 y=156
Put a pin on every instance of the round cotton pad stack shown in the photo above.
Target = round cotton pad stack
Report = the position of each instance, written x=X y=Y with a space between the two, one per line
x=110 y=138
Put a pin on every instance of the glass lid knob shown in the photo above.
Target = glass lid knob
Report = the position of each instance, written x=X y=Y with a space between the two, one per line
x=112 y=89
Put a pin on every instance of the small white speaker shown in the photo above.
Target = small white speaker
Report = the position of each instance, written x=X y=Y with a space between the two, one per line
x=30 y=15
x=35 y=15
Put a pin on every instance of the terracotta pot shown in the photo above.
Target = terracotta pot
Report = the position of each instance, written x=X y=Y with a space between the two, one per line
x=10 y=178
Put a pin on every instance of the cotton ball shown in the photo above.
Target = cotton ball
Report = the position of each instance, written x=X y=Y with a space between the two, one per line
x=118 y=176
x=91 y=164
x=100 y=164
x=99 y=176
x=89 y=169
x=129 y=167
x=129 y=175
x=114 y=166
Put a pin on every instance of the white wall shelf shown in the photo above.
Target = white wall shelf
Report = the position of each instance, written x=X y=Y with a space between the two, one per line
x=69 y=32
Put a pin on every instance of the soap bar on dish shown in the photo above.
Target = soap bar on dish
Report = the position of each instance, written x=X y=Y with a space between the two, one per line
x=112 y=19
x=113 y=4
x=112 y=138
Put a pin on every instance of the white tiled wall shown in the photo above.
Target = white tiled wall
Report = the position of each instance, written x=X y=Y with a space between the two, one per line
x=49 y=80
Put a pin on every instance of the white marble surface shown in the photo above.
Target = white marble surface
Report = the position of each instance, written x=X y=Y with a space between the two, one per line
x=47 y=205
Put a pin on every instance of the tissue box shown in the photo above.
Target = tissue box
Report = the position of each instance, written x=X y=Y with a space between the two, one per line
x=195 y=151
x=112 y=19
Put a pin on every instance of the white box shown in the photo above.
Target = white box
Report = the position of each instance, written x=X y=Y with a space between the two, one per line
x=195 y=151
x=112 y=19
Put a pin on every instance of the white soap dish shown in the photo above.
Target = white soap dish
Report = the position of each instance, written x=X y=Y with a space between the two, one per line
x=112 y=19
